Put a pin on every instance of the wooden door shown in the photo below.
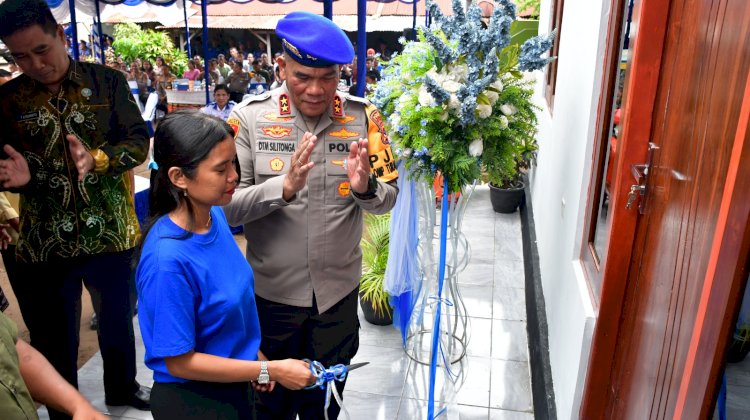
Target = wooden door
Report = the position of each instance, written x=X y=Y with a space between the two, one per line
x=700 y=92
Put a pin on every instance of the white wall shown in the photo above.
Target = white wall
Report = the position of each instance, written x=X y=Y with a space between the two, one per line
x=559 y=189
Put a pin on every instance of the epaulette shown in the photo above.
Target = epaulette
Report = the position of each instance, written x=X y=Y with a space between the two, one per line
x=354 y=98
x=248 y=99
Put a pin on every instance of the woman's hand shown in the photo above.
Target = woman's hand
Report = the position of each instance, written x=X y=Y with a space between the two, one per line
x=291 y=373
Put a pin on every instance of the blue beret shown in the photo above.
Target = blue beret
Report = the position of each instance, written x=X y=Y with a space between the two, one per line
x=313 y=40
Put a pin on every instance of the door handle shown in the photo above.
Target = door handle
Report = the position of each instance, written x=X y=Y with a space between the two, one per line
x=640 y=173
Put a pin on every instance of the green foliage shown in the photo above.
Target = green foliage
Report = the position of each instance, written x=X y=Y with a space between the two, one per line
x=523 y=5
x=374 y=260
x=132 y=42
x=511 y=151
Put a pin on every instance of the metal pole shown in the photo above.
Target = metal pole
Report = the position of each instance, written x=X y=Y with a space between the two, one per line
x=99 y=30
x=204 y=12
x=413 y=35
x=187 y=30
x=361 y=45
x=72 y=7
x=328 y=9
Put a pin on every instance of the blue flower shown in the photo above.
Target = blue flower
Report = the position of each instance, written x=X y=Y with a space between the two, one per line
x=532 y=49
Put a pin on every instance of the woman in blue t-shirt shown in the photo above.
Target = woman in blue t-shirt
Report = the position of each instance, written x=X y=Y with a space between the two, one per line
x=196 y=292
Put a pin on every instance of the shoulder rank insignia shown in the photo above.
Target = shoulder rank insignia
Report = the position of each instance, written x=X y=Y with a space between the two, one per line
x=255 y=98
x=284 y=106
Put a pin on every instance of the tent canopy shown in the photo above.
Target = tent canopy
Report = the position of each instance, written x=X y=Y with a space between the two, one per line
x=382 y=15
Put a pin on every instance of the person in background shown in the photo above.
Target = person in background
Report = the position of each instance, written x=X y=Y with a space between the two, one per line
x=28 y=376
x=213 y=71
x=223 y=67
x=159 y=65
x=191 y=73
x=148 y=70
x=370 y=79
x=277 y=80
x=222 y=106
x=258 y=70
x=237 y=82
x=198 y=318
x=301 y=197
x=247 y=65
x=136 y=74
x=77 y=215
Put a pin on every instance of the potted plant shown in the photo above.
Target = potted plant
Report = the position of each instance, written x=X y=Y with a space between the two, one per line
x=373 y=298
x=456 y=101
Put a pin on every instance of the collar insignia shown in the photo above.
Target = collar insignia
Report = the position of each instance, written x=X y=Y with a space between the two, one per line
x=338 y=110
x=284 y=106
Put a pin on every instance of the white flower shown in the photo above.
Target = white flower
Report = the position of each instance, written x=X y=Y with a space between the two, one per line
x=484 y=110
x=492 y=96
x=508 y=109
x=450 y=86
x=425 y=98
x=498 y=85
x=439 y=78
x=476 y=147
x=453 y=102
x=503 y=122
x=460 y=73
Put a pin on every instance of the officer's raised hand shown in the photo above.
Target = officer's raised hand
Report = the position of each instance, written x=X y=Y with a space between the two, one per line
x=296 y=178
x=358 y=166
x=14 y=171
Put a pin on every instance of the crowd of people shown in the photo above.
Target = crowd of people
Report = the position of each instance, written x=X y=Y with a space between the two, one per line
x=227 y=336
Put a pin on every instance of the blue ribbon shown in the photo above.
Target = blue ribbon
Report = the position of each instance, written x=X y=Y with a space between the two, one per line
x=441 y=277
x=325 y=379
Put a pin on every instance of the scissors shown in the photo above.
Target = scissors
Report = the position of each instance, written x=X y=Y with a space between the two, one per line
x=319 y=374
x=353 y=366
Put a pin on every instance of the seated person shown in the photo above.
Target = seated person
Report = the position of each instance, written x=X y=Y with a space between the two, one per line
x=222 y=105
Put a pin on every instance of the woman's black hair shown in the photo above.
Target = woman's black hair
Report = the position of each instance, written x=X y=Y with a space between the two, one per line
x=183 y=139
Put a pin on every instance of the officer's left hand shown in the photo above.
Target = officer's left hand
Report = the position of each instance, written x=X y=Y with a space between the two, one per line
x=82 y=158
x=358 y=166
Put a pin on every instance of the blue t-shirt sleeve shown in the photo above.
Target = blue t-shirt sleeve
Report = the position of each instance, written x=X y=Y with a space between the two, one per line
x=173 y=320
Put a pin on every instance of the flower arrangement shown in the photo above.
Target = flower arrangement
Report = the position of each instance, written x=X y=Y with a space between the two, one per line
x=456 y=101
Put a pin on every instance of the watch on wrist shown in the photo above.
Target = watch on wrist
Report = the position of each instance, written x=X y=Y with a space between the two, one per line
x=264 y=377
x=372 y=189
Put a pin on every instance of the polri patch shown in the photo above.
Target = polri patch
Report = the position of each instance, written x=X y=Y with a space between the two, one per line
x=343 y=188
x=277 y=164
x=235 y=124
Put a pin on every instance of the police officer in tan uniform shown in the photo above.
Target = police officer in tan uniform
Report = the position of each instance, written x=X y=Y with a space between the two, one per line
x=312 y=161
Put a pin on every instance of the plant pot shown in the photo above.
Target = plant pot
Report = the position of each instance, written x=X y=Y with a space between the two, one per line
x=506 y=200
x=372 y=317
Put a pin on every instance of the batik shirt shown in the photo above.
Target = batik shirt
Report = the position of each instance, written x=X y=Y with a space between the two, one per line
x=62 y=217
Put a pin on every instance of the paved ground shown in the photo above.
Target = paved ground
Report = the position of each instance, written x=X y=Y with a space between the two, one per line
x=496 y=383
